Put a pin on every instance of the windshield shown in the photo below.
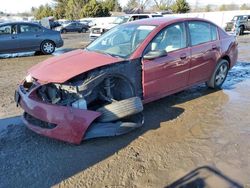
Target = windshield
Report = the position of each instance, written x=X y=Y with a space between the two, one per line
x=121 y=41
x=157 y=16
x=235 y=18
x=121 y=19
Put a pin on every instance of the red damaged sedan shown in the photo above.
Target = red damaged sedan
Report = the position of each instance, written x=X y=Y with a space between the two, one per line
x=100 y=91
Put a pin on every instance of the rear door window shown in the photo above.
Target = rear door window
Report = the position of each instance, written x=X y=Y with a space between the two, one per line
x=157 y=16
x=5 y=30
x=202 y=32
x=214 y=34
x=26 y=28
x=143 y=17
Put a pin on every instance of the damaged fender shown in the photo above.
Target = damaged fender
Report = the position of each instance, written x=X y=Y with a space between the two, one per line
x=71 y=123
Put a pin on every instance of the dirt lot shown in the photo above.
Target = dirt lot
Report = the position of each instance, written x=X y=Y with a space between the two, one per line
x=200 y=133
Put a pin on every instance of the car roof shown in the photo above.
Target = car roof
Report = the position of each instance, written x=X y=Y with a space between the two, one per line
x=13 y=23
x=140 y=14
x=242 y=15
x=164 y=20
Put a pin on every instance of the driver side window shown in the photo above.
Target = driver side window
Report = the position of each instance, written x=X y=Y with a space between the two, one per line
x=5 y=30
x=170 y=39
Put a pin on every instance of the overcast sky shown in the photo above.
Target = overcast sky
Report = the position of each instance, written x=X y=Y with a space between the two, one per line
x=15 y=6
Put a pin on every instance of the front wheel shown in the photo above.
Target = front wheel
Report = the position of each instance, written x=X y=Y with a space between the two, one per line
x=120 y=109
x=241 y=30
x=64 y=31
x=47 y=47
x=219 y=75
x=83 y=30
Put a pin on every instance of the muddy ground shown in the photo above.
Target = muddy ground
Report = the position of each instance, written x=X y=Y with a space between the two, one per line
x=198 y=138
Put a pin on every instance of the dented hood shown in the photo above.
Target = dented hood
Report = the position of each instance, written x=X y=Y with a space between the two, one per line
x=61 y=68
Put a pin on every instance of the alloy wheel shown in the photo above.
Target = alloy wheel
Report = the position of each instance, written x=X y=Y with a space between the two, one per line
x=48 y=47
x=221 y=74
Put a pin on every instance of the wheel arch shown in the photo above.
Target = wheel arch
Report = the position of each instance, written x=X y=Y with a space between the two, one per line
x=242 y=25
x=49 y=41
x=131 y=71
x=225 y=57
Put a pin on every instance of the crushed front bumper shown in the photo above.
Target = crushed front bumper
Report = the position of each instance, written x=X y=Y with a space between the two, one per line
x=70 y=124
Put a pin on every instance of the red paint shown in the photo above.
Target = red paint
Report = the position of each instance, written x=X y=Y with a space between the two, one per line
x=161 y=77
x=61 y=68
x=71 y=122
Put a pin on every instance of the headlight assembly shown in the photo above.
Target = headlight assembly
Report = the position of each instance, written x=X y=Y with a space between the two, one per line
x=29 y=79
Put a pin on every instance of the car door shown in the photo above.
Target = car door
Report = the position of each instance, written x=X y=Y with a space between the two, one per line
x=30 y=36
x=205 y=50
x=169 y=72
x=248 y=23
x=79 y=27
x=71 y=27
x=8 y=38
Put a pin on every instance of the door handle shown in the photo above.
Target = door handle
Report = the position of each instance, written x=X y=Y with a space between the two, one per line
x=214 y=47
x=183 y=56
x=37 y=35
x=13 y=37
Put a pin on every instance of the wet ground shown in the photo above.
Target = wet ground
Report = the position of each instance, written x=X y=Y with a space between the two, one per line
x=196 y=138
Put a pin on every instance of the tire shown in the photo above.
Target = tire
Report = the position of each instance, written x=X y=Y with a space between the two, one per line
x=219 y=75
x=47 y=47
x=38 y=53
x=64 y=31
x=83 y=30
x=241 y=30
x=120 y=109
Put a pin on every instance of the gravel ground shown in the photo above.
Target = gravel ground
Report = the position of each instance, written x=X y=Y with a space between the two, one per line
x=201 y=133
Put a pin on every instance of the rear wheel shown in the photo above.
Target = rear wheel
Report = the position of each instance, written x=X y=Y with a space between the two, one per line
x=241 y=30
x=64 y=31
x=219 y=75
x=47 y=47
x=83 y=30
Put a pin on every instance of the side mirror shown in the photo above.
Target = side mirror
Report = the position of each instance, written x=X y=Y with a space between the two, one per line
x=155 y=54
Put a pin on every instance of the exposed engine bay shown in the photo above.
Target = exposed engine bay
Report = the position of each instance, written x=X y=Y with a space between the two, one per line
x=91 y=94
x=111 y=95
x=91 y=90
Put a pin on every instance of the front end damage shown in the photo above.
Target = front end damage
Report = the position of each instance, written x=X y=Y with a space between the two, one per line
x=73 y=110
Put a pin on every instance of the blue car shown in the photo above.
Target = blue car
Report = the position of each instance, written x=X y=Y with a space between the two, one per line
x=24 y=37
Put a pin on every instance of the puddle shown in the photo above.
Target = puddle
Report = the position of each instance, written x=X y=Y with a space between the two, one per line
x=14 y=55
x=239 y=73
x=4 y=123
x=57 y=52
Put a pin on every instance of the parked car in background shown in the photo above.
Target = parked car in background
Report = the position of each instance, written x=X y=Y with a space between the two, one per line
x=89 y=22
x=23 y=36
x=54 y=24
x=239 y=24
x=98 y=91
x=98 y=30
x=73 y=27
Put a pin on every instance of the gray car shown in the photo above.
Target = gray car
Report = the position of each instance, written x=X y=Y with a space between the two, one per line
x=73 y=27
x=23 y=37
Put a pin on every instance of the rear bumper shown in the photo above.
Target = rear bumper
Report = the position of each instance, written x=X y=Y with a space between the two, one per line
x=59 y=43
x=93 y=36
x=70 y=123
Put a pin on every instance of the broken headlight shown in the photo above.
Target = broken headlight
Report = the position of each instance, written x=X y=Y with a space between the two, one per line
x=29 y=79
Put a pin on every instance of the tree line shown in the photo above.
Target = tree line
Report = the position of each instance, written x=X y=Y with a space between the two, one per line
x=76 y=9
x=222 y=7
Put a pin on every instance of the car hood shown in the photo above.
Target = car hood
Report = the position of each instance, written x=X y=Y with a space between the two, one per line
x=110 y=26
x=104 y=26
x=58 y=27
x=61 y=68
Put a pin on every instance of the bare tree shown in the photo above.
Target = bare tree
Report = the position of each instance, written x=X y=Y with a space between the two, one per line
x=163 y=4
